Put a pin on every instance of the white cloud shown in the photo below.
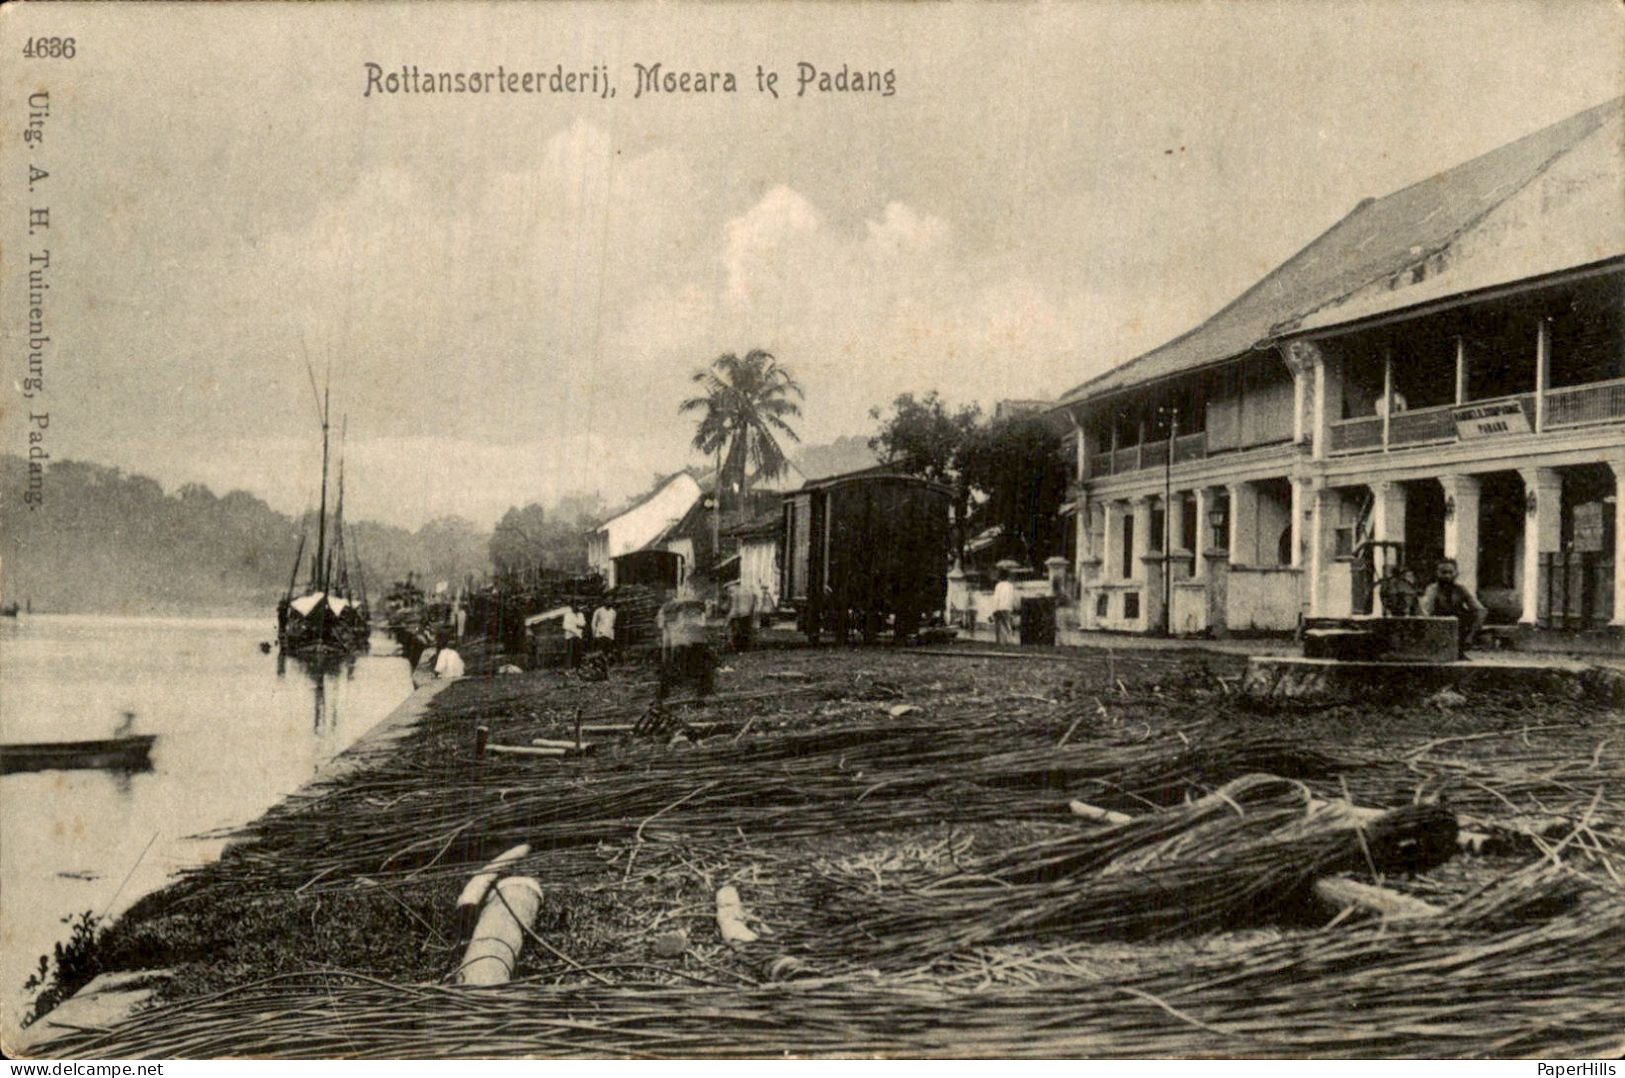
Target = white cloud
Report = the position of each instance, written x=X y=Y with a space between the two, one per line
x=903 y=231
x=861 y=314
x=763 y=243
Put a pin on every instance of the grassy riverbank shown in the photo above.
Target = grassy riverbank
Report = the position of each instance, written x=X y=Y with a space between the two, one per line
x=833 y=789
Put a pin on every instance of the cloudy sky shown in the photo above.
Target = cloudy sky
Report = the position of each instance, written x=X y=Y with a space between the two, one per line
x=511 y=291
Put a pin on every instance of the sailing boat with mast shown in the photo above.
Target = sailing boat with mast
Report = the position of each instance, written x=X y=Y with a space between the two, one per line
x=326 y=619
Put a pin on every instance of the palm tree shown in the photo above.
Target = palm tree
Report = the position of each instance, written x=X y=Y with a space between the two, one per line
x=746 y=404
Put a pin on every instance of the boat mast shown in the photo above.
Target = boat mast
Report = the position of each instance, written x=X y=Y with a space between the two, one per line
x=339 y=576
x=321 y=520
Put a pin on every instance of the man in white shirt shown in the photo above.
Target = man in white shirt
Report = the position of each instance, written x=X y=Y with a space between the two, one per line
x=575 y=627
x=1004 y=609
x=603 y=629
x=448 y=664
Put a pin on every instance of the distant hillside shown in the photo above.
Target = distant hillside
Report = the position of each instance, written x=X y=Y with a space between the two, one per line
x=108 y=542
x=849 y=453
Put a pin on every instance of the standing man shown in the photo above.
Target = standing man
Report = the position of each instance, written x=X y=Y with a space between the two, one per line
x=575 y=625
x=688 y=656
x=1446 y=598
x=1004 y=609
x=742 y=617
x=603 y=629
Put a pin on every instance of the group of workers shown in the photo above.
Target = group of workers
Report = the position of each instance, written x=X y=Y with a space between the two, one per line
x=583 y=635
x=686 y=653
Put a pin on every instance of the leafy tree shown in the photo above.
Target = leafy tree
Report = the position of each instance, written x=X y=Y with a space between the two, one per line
x=745 y=408
x=1018 y=464
x=518 y=541
x=450 y=547
x=571 y=520
x=555 y=538
x=923 y=437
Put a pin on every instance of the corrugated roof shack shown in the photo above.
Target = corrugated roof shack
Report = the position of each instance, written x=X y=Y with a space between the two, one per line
x=866 y=551
x=1443 y=368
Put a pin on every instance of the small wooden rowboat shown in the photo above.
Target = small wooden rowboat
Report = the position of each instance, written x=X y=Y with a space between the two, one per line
x=130 y=753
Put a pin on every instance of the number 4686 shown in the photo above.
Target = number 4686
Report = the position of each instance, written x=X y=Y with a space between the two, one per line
x=49 y=48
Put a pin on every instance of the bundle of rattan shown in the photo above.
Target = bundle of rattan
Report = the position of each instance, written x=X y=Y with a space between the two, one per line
x=1246 y=855
x=860 y=777
x=1462 y=985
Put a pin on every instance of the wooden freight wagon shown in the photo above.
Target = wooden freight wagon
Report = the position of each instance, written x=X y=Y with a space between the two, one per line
x=864 y=552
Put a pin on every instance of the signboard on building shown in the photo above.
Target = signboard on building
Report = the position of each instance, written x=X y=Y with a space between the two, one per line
x=1489 y=420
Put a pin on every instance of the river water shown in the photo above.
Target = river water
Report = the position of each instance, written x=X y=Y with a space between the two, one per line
x=237 y=730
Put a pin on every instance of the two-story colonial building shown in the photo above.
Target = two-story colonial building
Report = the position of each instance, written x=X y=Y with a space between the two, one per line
x=1444 y=367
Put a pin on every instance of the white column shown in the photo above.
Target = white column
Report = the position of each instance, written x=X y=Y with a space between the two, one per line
x=1320 y=412
x=1461 y=500
x=1300 y=394
x=1243 y=524
x=1542 y=524
x=1199 y=549
x=1299 y=356
x=1388 y=511
x=1328 y=399
x=1617 y=465
x=1543 y=369
x=1111 y=540
x=1461 y=370
x=1080 y=516
x=1079 y=432
x=1302 y=490
x=1321 y=525
x=1142 y=537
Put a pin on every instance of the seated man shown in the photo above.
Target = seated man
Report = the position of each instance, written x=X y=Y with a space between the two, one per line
x=1446 y=598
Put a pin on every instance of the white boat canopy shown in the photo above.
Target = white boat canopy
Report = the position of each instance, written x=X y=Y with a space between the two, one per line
x=306 y=603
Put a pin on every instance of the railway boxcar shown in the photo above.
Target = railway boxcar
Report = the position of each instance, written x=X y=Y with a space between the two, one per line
x=864 y=552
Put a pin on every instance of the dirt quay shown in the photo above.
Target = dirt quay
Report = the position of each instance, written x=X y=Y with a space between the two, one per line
x=776 y=786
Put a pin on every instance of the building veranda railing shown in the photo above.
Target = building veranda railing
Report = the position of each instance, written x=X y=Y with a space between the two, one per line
x=1578 y=406
x=1566 y=408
